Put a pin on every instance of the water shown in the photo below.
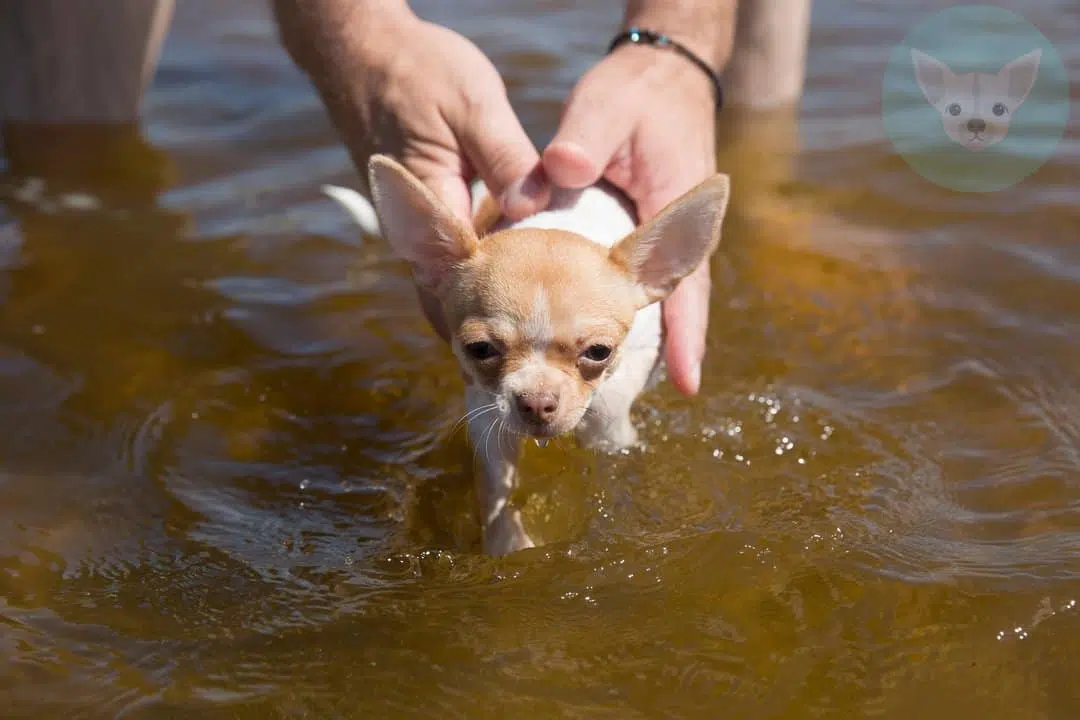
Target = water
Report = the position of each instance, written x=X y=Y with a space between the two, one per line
x=231 y=489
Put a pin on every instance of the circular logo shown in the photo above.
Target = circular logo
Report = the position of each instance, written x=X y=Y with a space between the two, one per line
x=975 y=99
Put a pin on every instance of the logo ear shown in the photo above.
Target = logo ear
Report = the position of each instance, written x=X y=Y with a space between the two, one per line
x=932 y=75
x=675 y=242
x=1020 y=76
x=417 y=225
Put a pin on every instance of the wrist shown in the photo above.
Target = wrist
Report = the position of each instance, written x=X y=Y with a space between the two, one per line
x=705 y=27
x=653 y=39
x=667 y=74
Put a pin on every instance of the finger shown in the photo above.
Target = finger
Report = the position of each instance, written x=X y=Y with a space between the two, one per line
x=505 y=159
x=453 y=191
x=592 y=130
x=686 y=320
x=665 y=182
x=443 y=173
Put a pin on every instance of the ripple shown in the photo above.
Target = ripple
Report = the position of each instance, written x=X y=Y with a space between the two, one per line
x=232 y=484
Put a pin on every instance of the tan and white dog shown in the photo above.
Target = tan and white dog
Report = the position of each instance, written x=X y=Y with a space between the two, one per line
x=555 y=320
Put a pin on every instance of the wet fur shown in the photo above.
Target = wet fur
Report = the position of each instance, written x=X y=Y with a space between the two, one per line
x=547 y=287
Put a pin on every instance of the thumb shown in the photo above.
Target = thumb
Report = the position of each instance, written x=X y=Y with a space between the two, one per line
x=504 y=157
x=591 y=132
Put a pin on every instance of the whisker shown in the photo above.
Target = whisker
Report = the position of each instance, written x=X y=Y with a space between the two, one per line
x=472 y=415
x=507 y=435
x=487 y=440
x=501 y=434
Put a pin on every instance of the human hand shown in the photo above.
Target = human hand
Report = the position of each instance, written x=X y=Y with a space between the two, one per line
x=431 y=99
x=421 y=93
x=644 y=120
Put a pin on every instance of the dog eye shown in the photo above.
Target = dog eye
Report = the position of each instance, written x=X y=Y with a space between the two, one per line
x=481 y=350
x=955 y=109
x=597 y=353
x=999 y=109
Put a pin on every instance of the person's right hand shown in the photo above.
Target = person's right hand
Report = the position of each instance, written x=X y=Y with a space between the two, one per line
x=424 y=94
x=421 y=93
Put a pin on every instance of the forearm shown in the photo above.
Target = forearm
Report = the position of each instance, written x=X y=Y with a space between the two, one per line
x=343 y=46
x=324 y=36
x=705 y=26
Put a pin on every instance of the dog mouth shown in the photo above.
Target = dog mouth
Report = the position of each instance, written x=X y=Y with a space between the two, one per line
x=541 y=433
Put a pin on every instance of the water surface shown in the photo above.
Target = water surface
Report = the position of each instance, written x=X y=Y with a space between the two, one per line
x=231 y=486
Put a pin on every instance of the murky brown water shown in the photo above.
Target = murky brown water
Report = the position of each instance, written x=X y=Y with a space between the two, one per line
x=230 y=487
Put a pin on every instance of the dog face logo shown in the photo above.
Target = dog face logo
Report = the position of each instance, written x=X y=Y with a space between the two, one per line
x=976 y=108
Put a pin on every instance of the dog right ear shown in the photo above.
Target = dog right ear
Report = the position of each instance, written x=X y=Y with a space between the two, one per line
x=932 y=75
x=1019 y=76
x=418 y=226
x=678 y=239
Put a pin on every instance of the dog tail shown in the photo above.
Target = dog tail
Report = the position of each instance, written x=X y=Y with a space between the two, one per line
x=359 y=207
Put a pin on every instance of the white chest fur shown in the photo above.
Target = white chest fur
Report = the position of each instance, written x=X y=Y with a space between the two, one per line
x=595 y=213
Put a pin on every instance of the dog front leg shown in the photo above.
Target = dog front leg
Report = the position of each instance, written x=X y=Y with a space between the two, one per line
x=496 y=478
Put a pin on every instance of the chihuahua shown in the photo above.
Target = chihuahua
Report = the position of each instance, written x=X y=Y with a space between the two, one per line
x=555 y=320
x=976 y=108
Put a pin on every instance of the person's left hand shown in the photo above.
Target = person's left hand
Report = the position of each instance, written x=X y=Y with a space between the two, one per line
x=644 y=119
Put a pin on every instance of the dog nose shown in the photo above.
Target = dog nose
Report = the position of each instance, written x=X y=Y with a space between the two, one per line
x=538 y=407
x=976 y=125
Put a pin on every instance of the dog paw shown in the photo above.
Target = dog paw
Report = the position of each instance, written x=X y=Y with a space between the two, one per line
x=506 y=535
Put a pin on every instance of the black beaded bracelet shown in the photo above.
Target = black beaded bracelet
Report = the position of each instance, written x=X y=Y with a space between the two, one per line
x=641 y=36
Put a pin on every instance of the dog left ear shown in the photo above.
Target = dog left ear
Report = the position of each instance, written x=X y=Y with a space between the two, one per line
x=933 y=76
x=419 y=227
x=677 y=240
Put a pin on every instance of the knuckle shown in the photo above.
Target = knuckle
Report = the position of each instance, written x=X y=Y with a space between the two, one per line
x=502 y=163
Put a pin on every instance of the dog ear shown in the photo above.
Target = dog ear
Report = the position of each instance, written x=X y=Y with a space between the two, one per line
x=932 y=75
x=677 y=240
x=418 y=226
x=1019 y=76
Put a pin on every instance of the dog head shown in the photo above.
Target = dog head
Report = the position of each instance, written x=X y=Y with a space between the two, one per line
x=976 y=108
x=538 y=317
